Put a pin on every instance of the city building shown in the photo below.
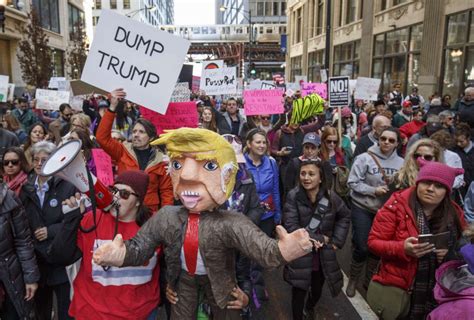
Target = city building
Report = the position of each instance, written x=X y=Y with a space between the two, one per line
x=58 y=18
x=259 y=11
x=152 y=12
x=427 y=44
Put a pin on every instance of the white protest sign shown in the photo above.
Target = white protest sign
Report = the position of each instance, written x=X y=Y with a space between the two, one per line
x=367 y=88
x=76 y=102
x=213 y=64
x=50 y=99
x=293 y=86
x=54 y=82
x=300 y=79
x=254 y=85
x=63 y=85
x=4 y=88
x=352 y=86
x=181 y=93
x=324 y=75
x=11 y=91
x=268 y=85
x=141 y=59
x=219 y=81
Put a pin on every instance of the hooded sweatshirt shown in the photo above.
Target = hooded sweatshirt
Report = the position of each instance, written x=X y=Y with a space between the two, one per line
x=365 y=177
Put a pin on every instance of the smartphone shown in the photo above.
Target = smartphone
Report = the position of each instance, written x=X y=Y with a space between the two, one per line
x=440 y=240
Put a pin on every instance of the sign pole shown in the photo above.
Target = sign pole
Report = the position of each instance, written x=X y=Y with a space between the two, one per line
x=339 y=125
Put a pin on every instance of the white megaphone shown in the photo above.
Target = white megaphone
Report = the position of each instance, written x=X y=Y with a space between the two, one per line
x=68 y=164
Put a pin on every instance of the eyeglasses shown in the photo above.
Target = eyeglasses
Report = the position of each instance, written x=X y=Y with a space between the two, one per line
x=124 y=194
x=231 y=138
x=39 y=160
x=331 y=141
x=427 y=157
x=450 y=118
x=390 y=140
x=13 y=162
x=265 y=118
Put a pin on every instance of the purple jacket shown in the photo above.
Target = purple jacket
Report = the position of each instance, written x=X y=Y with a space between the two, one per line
x=454 y=291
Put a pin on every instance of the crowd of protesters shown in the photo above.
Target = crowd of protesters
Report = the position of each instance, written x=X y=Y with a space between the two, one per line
x=393 y=169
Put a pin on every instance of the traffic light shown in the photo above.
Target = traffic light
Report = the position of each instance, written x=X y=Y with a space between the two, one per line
x=253 y=70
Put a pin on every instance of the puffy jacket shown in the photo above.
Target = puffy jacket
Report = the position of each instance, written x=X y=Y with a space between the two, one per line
x=49 y=215
x=297 y=214
x=394 y=223
x=17 y=257
x=160 y=190
x=410 y=128
x=454 y=291
x=267 y=182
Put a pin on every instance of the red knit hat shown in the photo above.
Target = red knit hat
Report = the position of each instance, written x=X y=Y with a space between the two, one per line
x=438 y=172
x=137 y=180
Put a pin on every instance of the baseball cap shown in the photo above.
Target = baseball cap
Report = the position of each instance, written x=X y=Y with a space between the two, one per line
x=312 y=138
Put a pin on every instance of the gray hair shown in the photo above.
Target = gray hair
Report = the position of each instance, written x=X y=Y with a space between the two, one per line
x=445 y=114
x=43 y=146
x=432 y=118
x=469 y=89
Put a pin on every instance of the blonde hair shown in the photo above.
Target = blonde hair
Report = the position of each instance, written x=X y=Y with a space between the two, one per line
x=406 y=176
x=83 y=118
x=204 y=145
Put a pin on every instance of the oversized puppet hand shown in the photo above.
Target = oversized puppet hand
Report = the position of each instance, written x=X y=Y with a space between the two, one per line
x=111 y=254
x=293 y=245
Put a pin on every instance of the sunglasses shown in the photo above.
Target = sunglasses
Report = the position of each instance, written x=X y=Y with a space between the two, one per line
x=390 y=140
x=124 y=194
x=331 y=141
x=13 y=162
x=427 y=157
x=265 y=118
x=230 y=138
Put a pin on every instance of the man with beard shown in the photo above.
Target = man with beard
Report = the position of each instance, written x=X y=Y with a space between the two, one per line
x=137 y=154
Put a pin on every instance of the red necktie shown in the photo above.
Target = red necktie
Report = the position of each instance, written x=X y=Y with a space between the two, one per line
x=191 y=242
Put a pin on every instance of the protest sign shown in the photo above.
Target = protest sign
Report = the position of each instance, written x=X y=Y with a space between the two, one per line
x=293 y=86
x=103 y=165
x=254 y=85
x=214 y=64
x=63 y=85
x=323 y=73
x=301 y=79
x=50 y=99
x=219 y=81
x=267 y=85
x=178 y=115
x=196 y=82
x=11 y=91
x=54 y=82
x=318 y=88
x=181 y=93
x=338 y=91
x=352 y=86
x=263 y=102
x=289 y=92
x=139 y=58
x=367 y=88
x=3 y=88
x=76 y=102
x=80 y=88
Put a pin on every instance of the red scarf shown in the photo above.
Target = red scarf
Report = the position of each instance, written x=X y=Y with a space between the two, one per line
x=17 y=182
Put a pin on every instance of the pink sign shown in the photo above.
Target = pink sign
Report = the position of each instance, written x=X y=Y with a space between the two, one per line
x=178 y=115
x=318 y=88
x=103 y=165
x=263 y=102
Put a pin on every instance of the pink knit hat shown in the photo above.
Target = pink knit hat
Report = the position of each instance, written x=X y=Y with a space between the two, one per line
x=438 y=172
x=346 y=112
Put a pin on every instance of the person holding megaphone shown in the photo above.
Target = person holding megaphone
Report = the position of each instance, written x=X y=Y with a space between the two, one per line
x=109 y=293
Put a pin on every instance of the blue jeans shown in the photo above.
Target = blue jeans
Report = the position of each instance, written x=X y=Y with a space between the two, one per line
x=361 y=224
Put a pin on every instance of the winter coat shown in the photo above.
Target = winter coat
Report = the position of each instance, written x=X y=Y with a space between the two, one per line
x=393 y=224
x=410 y=128
x=267 y=182
x=467 y=159
x=335 y=225
x=221 y=234
x=224 y=124
x=26 y=118
x=466 y=113
x=17 y=258
x=160 y=190
x=365 y=177
x=49 y=215
x=9 y=139
x=454 y=292
x=399 y=119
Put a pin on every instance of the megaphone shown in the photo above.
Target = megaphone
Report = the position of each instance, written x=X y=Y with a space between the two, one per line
x=68 y=164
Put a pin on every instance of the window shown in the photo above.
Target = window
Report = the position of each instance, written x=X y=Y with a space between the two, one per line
x=113 y=4
x=397 y=2
x=283 y=8
x=295 y=64
x=48 y=14
x=275 y=8
x=5 y=60
x=346 y=59
x=260 y=11
x=397 y=57
x=299 y=26
x=383 y=5
x=339 y=15
x=315 y=63
x=57 y=57
x=126 y=4
x=268 y=9
x=351 y=8
x=98 y=4
x=458 y=56
x=361 y=9
x=76 y=19
x=95 y=21
x=320 y=17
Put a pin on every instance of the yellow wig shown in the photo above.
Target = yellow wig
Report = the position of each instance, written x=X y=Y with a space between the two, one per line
x=204 y=145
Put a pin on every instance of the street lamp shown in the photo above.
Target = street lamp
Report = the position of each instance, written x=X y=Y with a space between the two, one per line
x=134 y=13
x=249 y=19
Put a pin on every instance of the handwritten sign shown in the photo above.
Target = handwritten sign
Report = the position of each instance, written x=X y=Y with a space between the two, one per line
x=263 y=102
x=139 y=58
x=367 y=88
x=318 y=88
x=181 y=92
x=54 y=82
x=178 y=115
x=3 y=88
x=76 y=102
x=219 y=81
x=50 y=99
x=103 y=165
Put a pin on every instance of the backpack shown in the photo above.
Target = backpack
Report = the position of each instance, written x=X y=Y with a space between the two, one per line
x=340 y=183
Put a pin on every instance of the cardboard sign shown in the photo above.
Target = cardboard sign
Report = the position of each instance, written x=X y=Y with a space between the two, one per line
x=50 y=99
x=367 y=88
x=54 y=82
x=339 y=91
x=178 y=115
x=263 y=102
x=80 y=88
x=318 y=88
x=11 y=91
x=3 y=88
x=139 y=58
x=219 y=81
x=103 y=165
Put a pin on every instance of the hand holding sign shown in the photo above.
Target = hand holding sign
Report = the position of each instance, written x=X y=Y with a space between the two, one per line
x=115 y=96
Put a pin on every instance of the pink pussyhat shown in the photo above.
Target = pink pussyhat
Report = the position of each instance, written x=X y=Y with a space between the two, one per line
x=438 y=172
